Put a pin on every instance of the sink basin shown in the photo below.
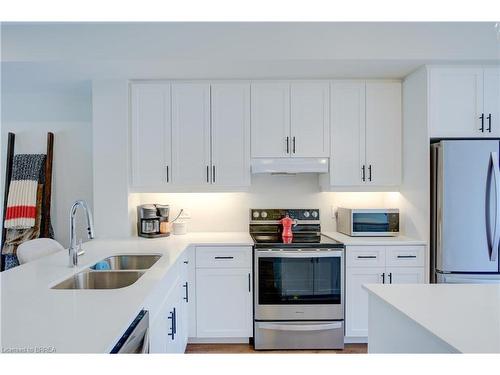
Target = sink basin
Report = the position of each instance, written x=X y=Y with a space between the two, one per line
x=100 y=280
x=129 y=262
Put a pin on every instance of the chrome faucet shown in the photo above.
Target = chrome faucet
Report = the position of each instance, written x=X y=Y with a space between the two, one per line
x=73 y=251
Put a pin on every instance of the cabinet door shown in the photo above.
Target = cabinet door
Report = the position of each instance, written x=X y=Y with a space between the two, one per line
x=310 y=119
x=270 y=108
x=383 y=133
x=348 y=133
x=405 y=275
x=224 y=302
x=150 y=135
x=356 y=319
x=492 y=101
x=191 y=133
x=456 y=102
x=231 y=134
x=183 y=302
x=158 y=331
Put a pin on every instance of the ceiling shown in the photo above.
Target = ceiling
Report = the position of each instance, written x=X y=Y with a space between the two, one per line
x=66 y=56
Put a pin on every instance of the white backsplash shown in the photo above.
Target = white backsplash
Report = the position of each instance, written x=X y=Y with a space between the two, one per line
x=230 y=211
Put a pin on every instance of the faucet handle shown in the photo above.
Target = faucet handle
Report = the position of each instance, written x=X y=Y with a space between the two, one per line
x=80 y=250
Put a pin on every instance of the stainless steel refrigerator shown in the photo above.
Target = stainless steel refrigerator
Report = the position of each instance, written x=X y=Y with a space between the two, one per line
x=465 y=211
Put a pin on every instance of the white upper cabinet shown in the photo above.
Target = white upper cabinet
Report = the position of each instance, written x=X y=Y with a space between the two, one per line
x=464 y=101
x=492 y=101
x=366 y=134
x=290 y=119
x=230 y=134
x=150 y=135
x=310 y=119
x=456 y=102
x=383 y=133
x=191 y=134
x=270 y=108
x=348 y=132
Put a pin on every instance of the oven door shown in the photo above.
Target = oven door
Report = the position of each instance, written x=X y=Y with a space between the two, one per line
x=299 y=285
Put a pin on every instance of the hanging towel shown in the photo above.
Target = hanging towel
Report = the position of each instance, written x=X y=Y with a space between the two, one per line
x=27 y=171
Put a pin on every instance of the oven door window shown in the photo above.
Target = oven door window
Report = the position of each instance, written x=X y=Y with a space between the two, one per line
x=308 y=281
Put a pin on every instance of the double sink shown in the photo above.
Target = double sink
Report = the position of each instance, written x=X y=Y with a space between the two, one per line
x=114 y=272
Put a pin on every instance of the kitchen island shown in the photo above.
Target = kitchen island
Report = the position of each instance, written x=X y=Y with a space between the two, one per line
x=434 y=318
x=37 y=318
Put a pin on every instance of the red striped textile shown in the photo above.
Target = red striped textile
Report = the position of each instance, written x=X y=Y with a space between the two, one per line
x=15 y=212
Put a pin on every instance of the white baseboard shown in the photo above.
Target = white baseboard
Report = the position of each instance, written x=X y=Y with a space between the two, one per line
x=355 y=340
x=218 y=340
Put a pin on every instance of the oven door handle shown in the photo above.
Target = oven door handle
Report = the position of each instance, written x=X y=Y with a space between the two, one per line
x=299 y=254
x=300 y=327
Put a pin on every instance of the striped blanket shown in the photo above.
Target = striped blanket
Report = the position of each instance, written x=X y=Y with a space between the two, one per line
x=27 y=171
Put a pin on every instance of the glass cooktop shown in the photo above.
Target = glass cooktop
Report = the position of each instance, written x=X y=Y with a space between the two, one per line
x=298 y=240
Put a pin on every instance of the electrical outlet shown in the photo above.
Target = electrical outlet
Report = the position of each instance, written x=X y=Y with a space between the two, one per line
x=334 y=212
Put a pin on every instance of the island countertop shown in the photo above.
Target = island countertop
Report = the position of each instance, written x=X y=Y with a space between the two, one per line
x=464 y=316
x=86 y=321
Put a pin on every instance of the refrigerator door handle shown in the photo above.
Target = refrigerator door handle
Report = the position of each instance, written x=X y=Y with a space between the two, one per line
x=496 y=232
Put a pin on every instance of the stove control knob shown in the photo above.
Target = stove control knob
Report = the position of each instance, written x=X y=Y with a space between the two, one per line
x=314 y=214
x=306 y=214
x=255 y=214
x=263 y=214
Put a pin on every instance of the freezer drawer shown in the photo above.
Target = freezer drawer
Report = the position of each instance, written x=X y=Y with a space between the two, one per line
x=468 y=278
x=299 y=335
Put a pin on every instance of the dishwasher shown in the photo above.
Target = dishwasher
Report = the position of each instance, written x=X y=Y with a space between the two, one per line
x=135 y=340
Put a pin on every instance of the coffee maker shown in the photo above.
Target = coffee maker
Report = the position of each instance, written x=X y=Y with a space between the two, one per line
x=152 y=220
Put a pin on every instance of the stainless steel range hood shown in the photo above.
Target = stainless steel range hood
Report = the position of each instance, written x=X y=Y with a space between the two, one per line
x=289 y=165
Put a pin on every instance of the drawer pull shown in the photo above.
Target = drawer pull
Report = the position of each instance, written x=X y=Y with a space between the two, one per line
x=367 y=257
x=406 y=256
x=223 y=257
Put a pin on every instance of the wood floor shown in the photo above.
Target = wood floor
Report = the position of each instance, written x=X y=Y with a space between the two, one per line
x=248 y=349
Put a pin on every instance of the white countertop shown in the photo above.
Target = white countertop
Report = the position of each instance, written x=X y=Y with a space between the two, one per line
x=83 y=321
x=373 y=241
x=465 y=316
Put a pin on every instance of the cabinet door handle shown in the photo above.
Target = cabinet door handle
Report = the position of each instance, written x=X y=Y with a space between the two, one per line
x=363 y=169
x=489 y=122
x=406 y=256
x=370 y=172
x=213 y=174
x=383 y=278
x=249 y=283
x=367 y=257
x=482 y=122
x=293 y=144
x=168 y=175
x=172 y=324
x=186 y=298
x=223 y=257
x=208 y=171
x=390 y=277
x=287 y=145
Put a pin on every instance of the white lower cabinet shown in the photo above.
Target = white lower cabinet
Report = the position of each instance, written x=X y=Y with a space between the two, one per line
x=356 y=322
x=168 y=328
x=377 y=265
x=224 y=292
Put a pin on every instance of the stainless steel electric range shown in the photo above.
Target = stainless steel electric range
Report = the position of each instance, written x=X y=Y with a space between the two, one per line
x=299 y=284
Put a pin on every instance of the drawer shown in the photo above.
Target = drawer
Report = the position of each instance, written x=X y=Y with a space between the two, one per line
x=405 y=256
x=223 y=257
x=365 y=256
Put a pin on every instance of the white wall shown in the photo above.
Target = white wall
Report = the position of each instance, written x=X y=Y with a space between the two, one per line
x=30 y=116
x=111 y=157
x=230 y=211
